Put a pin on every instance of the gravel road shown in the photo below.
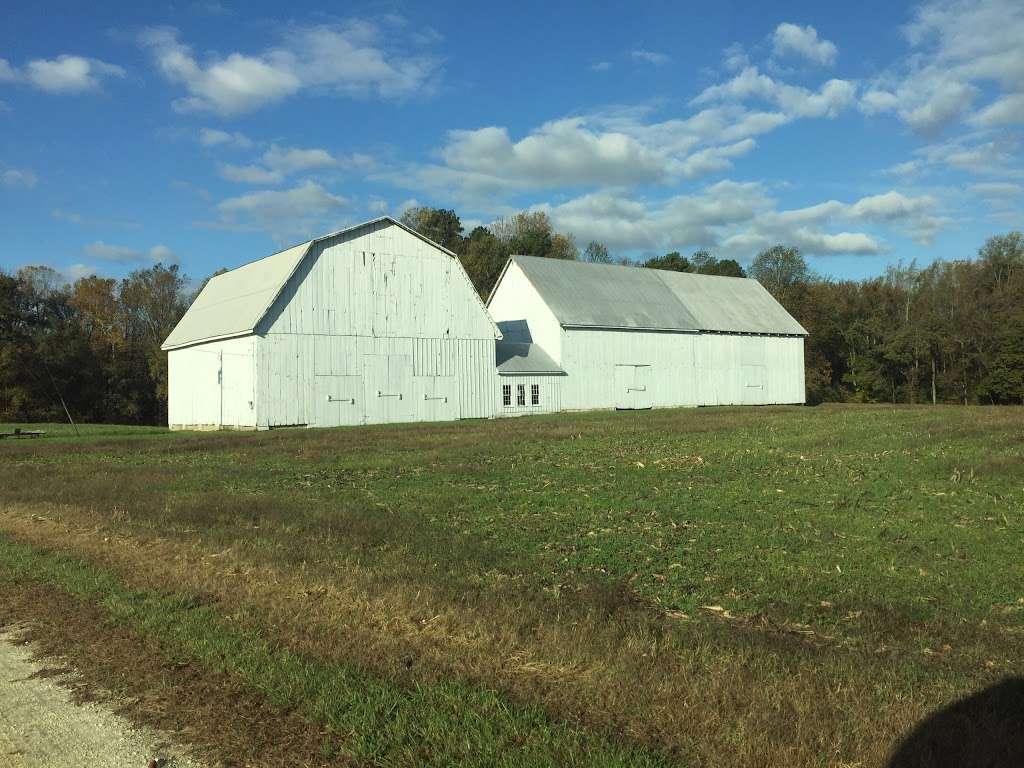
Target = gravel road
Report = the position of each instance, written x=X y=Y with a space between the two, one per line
x=41 y=727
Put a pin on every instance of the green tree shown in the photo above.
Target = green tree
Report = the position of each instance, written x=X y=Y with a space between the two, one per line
x=441 y=225
x=673 y=261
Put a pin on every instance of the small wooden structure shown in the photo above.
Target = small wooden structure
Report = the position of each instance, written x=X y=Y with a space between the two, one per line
x=22 y=433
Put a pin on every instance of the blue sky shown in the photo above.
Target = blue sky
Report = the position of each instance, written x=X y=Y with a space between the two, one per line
x=212 y=133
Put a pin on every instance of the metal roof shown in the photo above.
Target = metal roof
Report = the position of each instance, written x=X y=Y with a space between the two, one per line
x=522 y=358
x=613 y=296
x=232 y=304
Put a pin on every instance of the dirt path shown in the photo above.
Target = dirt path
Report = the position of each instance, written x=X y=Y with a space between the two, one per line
x=41 y=727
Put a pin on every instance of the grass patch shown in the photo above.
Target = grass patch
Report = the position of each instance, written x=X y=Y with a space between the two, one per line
x=365 y=718
x=712 y=585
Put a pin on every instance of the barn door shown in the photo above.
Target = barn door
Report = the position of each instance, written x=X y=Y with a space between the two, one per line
x=387 y=389
x=632 y=387
x=754 y=385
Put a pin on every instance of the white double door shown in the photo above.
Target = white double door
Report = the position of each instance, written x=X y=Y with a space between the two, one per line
x=387 y=389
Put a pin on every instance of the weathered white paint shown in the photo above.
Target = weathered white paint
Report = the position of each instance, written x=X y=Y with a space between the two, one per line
x=638 y=368
x=374 y=325
x=518 y=300
x=549 y=392
x=213 y=385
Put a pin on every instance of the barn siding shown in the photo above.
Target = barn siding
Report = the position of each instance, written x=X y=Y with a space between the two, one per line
x=212 y=385
x=374 y=311
x=550 y=390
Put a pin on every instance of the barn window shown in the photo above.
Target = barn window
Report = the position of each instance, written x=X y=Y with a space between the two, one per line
x=506 y=394
x=535 y=394
x=520 y=394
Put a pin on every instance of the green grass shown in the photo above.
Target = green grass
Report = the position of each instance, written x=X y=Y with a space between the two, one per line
x=371 y=720
x=702 y=553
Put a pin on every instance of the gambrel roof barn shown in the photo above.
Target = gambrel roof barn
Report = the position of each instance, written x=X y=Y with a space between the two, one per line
x=376 y=323
x=371 y=324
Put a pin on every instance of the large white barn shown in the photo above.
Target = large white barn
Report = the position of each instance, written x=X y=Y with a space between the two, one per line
x=371 y=324
x=640 y=338
x=376 y=324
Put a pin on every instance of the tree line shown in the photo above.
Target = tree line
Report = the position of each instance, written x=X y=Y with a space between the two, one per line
x=951 y=332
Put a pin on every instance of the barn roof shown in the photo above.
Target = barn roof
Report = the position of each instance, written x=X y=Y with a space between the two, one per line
x=611 y=296
x=233 y=303
x=523 y=358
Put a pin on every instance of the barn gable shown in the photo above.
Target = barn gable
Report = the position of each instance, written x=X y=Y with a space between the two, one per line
x=249 y=298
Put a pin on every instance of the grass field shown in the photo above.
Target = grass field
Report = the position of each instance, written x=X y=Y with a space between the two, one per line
x=713 y=587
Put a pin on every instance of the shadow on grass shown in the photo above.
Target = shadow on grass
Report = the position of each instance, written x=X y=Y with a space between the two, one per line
x=985 y=730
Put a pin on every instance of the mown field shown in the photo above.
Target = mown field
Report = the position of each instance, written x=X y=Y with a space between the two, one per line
x=712 y=587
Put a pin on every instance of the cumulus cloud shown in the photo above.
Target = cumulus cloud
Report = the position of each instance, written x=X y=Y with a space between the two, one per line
x=278 y=162
x=793 y=40
x=738 y=219
x=213 y=137
x=123 y=254
x=651 y=57
x=354 y=59
x=301 y=210
x=794 y=101
x=1007 y=110
x=70 y=74
x=958 y=49
x=249 y=174
x=18 y=177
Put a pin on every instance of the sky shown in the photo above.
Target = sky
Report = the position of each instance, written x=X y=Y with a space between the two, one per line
x=211 y=133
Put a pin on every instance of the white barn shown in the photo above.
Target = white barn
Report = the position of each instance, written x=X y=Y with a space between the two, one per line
x=371 y=324
x=627 y=338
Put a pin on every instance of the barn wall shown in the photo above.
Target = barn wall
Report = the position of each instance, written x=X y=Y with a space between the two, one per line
x=643 y=369
x=518 y=300
x=549 y=389
x=212 y=385
x=376 y=326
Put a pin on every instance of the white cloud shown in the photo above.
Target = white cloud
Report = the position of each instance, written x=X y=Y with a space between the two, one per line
x=18 y=177
x=249 y=174
x=959 y=49
x=7 y=73
x=291 y=160
x=354 y=59
x=1007 y=110
x=651 y=57
x=715 y=158
x=735 y=58
x=67 y=73
x=794 y=101
x=123 y=254
x=996 y=189
x=212 y=137
x=737 y=219
x=278 y=162
x=601 y=66
x=790 y=39
x=301 y=210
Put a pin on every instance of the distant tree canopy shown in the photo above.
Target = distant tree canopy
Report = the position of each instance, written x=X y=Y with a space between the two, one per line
x=701 y=262
x=949 y=332
x=96 y=343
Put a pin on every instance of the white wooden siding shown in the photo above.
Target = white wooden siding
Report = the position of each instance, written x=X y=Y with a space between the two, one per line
x=678 y=369
x=376 y=326
x=517 y=299
x=212 y=385
x=549 y=389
